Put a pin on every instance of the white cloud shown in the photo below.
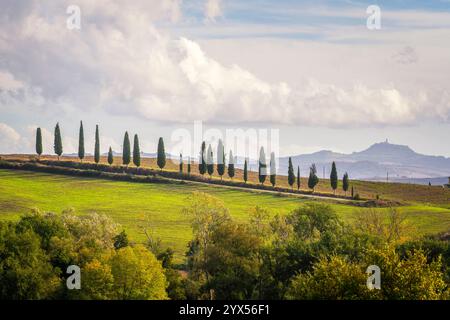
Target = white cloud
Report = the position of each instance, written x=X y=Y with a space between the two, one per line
x=121 y=63
x=9 y=139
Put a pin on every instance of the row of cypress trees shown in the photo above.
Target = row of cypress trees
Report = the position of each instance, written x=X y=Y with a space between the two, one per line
x=206 y=162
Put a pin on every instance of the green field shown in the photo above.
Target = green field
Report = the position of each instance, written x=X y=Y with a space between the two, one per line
x=129 y=203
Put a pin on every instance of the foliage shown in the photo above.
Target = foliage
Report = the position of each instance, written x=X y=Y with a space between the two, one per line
x=161 y=156
x=81 y=142
x=333 y=177
x=97 y=146
x=38 y=141
x=126 y=154
x=136 y=152
x=291 y=176
x=57 y=145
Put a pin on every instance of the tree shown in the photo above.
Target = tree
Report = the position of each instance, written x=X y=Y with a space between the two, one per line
x=245 y=171
x=345 y=183
x=262 y=166
x=189 y=166
x=97 y=146
x=210 y=161
x=181 y=164
x=202 y=160
x=136 y=152
x=57 y=146
x=220 y=159
x=121 y=240
x=231 y=165
x=110 y=156
x=291 y=175
x=334 y=177
x=161 y=154
x=39 y=142
x=353 y=192
x=26 y=272
x=81 y=142
x=126 y=154
x=273 y=170
x=298 y=177
x=137 y=275
x=313 y=180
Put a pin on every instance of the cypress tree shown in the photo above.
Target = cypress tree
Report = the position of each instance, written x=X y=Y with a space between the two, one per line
x=245 y=171
x=81 y=142
x=313 y=180
x=57 y=146
x=210 y=161
x=273 y=170
x=97 y=146
x=353 y=192
x=189 y=166
x=110 y=156
x=126 y=154
x=298 y=178
x=291 y=175
x=345 y=183
x=334 y=177
x=39 y=142
x=161 y=154
x=220 y=159
x=136 y=152
x=231 y=166
x=262 y=166
x=181 y=163
x=202 y=160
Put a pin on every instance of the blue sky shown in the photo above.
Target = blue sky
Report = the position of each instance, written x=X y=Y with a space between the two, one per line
x=310 y=69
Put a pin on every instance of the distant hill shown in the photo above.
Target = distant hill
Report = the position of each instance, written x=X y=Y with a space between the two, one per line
x=400 y=162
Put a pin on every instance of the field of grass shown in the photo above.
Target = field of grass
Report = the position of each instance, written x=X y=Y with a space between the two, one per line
x=131 y=203
x=408 y=193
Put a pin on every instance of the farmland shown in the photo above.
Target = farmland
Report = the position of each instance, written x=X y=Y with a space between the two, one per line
x=158 y=206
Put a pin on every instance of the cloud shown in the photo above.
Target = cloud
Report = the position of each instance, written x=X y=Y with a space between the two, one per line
x=119 y=62
x=10 y=139
x=213 y=9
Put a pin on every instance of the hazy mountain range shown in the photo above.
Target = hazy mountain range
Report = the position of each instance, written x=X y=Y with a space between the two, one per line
x=378 y=162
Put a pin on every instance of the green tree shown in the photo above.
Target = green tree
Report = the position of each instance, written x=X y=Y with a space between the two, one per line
x=57 y=146
x=97 y=146
x=220 y=159
x=273 y=170
x=126 y=154
x=291 y=175
x=137 y=275
x=81 y=142
x=189 y=166
x=161 y=154
x=110 y=156
x=121 y=240
x=26 y=272
x=334 y=177
x=262 y=166
x=231 y=172
x=39 y=142
x=345 y=183
x=245 y=171
x=313 y=180
x=136 y=152
x=210 y=161
x=298 y=178
x=202 y=160
x=181 y=164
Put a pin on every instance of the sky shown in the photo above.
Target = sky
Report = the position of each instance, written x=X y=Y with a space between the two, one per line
x=312 y=71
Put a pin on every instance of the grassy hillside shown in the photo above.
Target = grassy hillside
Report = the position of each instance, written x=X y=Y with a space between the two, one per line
x=408 y=193
x=131 y=204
